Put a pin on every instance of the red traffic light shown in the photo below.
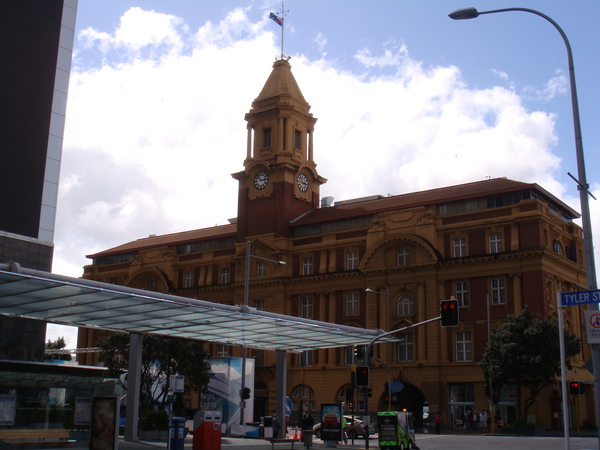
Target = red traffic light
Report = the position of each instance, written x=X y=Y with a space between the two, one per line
x=362 y=376
x=449 y=312
x=575 y=388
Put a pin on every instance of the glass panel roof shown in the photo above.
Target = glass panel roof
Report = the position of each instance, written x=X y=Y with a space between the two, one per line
x=75 y=301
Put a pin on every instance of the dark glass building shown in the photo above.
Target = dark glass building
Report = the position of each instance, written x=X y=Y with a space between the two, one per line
x=36 y=45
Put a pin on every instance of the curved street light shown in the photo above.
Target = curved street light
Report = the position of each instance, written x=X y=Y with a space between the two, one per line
x=246 y=291
x=582 y=186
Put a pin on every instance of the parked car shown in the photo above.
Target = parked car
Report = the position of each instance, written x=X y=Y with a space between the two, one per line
x=353 y=429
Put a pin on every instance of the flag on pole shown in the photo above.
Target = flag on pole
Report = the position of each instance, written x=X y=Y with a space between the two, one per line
x=277 y=19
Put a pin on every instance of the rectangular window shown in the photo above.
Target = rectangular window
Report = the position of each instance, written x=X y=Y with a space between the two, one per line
x=260 y=269
x=259 y=305
x=297 y=139
x=460 y=247
x=222 y=350
x=352 y=304
x=498 y=291
x=225 y=275
x=152 y=284
x=351 y=261
x=403 y=256
x=495 y=242
x=464 y=346
x=461 y=392
x=189 y=279
x=266 y=137
x=461 y=293
x=306 y=358
x=307 y=266
x=406 y=347
x=306 y=307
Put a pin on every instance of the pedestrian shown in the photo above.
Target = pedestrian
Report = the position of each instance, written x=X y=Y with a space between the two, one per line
x=438 y=422
x=483 y=421
x=344 y=434
x=475 y=421
x=307 y=422
x=276 y=427
x=467 y=422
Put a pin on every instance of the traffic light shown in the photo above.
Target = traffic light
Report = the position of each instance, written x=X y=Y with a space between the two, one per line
x=575 y=388
x=245 y=393
x=486 y=390
x=449 y=313
x=495 y=399
x=370 y=390
x=362 y=376
x=359 y=352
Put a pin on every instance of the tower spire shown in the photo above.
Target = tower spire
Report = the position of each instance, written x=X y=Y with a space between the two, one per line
x=279 y=19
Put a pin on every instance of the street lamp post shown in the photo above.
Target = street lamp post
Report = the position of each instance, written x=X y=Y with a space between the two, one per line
x=387 y=328
x=582 y=184
x=246 y=290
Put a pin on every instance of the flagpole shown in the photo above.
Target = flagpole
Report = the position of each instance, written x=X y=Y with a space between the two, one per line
x=282 y=26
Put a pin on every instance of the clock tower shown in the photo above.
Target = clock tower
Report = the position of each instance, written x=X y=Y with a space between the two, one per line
x=280 y=181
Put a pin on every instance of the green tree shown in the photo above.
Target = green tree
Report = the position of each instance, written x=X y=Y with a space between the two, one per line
x=162 y=356
x=525 y=352
x=59 y=344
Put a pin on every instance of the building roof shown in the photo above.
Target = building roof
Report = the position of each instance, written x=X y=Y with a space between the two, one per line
x=374 y=204
x=281 y=83
x=380 y=204
x=153 y=241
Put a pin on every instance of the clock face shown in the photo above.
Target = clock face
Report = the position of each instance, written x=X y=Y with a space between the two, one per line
x=302 y=182
x=261 y=179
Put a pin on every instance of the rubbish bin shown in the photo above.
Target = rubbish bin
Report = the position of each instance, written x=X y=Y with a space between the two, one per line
x=307 y=438
x=178 y=433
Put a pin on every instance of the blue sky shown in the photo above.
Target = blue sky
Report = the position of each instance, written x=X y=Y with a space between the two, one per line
x=406 y=99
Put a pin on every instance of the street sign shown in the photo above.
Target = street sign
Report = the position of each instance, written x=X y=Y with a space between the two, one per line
x=396 y=386
x=288 y=406
x=579 y=298
x=592 y=326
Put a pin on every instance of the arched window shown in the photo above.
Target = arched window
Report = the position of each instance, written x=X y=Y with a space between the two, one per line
x=405 y=306
x=303 y=398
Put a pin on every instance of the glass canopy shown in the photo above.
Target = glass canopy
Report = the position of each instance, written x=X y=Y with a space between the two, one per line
x=75 y=301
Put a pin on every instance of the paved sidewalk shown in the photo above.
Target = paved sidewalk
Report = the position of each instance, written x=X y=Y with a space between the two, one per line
x=231 y=443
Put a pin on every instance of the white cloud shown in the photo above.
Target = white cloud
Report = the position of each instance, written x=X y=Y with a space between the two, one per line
x=151 y=139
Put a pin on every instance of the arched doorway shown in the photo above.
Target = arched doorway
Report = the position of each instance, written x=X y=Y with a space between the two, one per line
x=410 y=398
x=303 y=400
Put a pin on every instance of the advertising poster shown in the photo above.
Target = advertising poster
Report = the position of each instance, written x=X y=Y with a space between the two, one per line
x=224 y=390
x=83 y=411
x=331 y=422
x=8 y=407
x=104 y=423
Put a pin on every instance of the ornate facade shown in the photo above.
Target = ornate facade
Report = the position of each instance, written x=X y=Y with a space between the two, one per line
x=377 y=262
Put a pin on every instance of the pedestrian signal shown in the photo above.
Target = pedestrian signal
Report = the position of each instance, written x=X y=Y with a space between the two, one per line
x=362 y=376
x=449 y=313
x=575 y=388
x=245 y=393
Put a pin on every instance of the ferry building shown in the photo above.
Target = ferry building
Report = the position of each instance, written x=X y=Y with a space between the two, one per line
x=378 y=262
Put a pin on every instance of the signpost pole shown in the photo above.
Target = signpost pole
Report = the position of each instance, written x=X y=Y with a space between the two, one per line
x=563 y=371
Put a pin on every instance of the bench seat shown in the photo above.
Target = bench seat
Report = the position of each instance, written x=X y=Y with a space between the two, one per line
x=283 y=441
